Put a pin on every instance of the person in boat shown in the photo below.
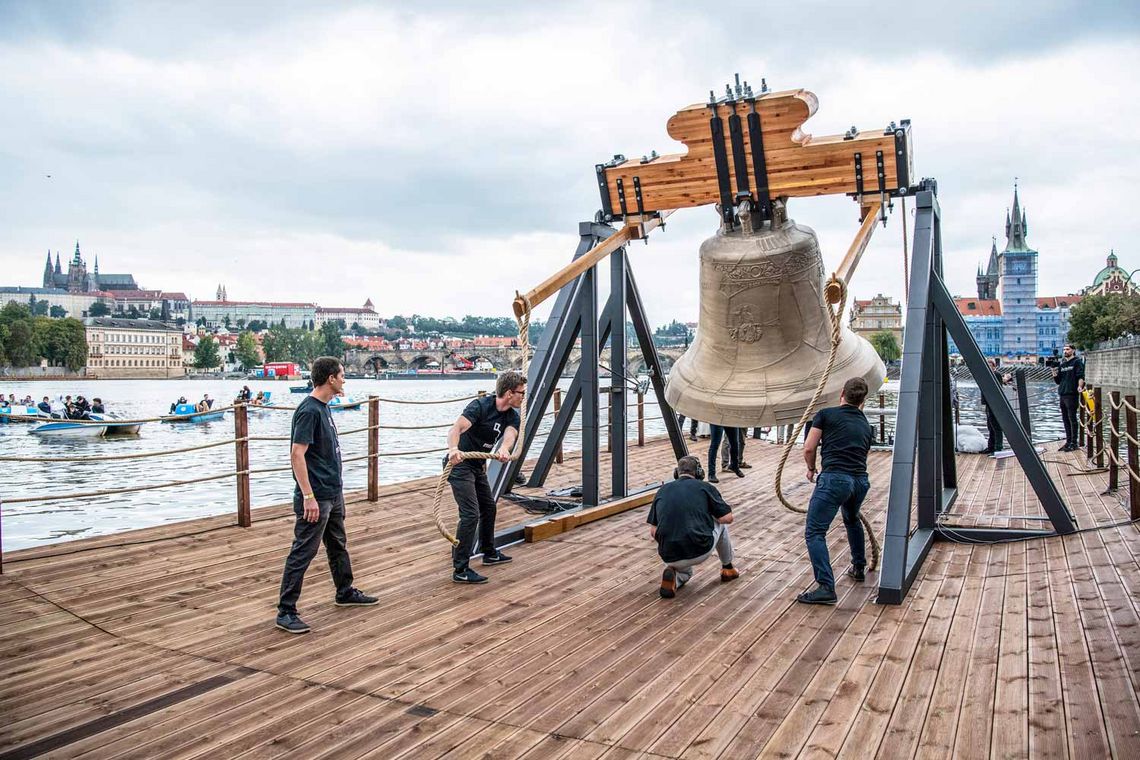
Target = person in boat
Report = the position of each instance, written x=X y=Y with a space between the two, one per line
x=689 y=520
x=845 y=437
x=28 y=400
x=79 y=409
x=259 y=399
x=203 y=405
x=485 y=421
x=244 y=395
x=97 y=406
x=45 y=405
x=181 y=400
x=318 y=499
x=4 y=402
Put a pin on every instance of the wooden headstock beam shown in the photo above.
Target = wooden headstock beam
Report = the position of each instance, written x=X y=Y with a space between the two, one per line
x=797 y=164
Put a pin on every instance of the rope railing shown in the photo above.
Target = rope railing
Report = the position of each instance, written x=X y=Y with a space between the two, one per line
x=118 y=457
x=128 y=489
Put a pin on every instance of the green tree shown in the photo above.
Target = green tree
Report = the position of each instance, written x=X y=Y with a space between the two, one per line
x=1103 y=317
x=21 y=344
x=398 y=323
x=257 y=325
x=226 y=321
x=133 y=312
x=886 y=345
x=276 y=344
x=246 y=352
x=156 y=313
x=99 y=309
x=57 y=312
x=206 y=354
x=63 y=342
x=330 y=341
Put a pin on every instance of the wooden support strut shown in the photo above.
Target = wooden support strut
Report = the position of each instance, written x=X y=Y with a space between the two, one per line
x=633 y=230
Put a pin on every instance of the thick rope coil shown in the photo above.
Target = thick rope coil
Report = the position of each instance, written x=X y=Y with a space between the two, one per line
x=836 y=315
x=516 y=449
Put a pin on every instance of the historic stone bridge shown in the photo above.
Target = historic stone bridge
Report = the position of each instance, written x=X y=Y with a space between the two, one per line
x=361 y=360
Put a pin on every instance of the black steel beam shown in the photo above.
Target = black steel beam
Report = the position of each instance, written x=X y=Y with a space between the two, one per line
x=1043 y=486
x=588 y=374
x=619 y=371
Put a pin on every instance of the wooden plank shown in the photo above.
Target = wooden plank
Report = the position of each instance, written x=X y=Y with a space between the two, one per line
x=556 y=525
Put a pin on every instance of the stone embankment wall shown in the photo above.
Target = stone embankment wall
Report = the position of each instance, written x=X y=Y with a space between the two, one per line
x=1115 y=367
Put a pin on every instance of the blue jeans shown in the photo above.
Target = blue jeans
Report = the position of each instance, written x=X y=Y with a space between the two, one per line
x=835 y=491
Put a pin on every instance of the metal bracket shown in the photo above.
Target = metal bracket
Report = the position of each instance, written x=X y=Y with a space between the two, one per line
x=640 y=209
x=621 y=198
x=880 y=170
x=720 y=157
x=600 y=172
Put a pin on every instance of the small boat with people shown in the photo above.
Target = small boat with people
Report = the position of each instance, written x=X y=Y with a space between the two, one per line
x=346 y=403
x=92 y=426
x=193 y=413
x=14 y=414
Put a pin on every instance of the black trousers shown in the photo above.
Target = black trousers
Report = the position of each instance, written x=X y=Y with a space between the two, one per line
x=472 y=494
x=733 y=447
x=1069 y=417
x=995 y=442
x=692 y=425
x=307 y=538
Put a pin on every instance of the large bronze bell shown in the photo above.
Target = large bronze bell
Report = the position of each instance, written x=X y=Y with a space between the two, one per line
x=764 y=334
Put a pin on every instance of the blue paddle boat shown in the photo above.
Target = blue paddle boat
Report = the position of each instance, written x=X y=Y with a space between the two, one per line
x=190 y=413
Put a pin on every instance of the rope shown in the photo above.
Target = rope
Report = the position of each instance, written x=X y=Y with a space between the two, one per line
x=436 y=401
x=122 y=456
x=132 y=489
x=836 y=315
x=516 y=450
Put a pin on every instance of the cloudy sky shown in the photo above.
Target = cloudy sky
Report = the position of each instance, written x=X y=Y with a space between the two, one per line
x=437 y=160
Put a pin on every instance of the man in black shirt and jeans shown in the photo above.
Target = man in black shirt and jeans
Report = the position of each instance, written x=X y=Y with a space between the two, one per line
x=1069 y=376
x=688 y=520
x=846 y=436
x=485 y=420
x=318 y=499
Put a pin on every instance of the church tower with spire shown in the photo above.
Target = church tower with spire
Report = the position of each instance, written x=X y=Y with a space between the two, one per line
x=48 y=282
x=988 y=280
x=1017 y=285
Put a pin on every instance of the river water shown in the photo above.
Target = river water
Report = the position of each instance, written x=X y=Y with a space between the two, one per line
x=38 y=523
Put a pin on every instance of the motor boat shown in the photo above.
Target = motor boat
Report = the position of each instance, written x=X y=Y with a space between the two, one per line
x=21 y=413
x=95 y=426
x=345 y=403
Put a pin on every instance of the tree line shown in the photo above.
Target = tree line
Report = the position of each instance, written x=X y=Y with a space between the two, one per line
x=27 y=338
x=279 y=344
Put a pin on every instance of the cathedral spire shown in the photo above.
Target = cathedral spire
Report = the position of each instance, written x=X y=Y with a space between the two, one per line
x=76 y=260
x=1015 y=226
x=96 y=265
x=58 y=270
x=47 y=272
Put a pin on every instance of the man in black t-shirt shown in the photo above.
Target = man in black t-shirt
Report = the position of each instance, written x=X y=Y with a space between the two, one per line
x=1069 y=376
x=689 y=519
x=485 y=421
x=846 y=437
x=318 y=499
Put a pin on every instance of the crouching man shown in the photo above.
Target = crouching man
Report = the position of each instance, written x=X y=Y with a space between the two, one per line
x=688 y=520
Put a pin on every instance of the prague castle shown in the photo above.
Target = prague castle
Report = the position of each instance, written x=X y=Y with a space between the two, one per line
x=78 y=280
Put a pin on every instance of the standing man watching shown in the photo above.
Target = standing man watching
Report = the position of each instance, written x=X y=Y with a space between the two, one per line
x=995 y=442
x=485 y=421
x=688 y=520
x=846 y=437
x=318 y=499
x=1069 y=376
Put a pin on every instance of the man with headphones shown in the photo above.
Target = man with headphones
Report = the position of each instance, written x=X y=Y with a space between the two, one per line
x=688 y=520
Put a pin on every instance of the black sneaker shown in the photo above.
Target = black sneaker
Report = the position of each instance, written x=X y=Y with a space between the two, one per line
x=1064 y=447
x=468 y=576
x=855 y=573
x=291 y=623
x=713 y=478
x=668 y=583
x=520 y=479
x=736 y=471
x=495 y=558
x=820 y=595
x=355 y=598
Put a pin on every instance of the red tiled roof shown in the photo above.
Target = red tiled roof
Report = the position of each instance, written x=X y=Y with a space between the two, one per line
x=978 y=307
x=1053 y=302
x=175 y=296
x=137 y=295
x=345 y=309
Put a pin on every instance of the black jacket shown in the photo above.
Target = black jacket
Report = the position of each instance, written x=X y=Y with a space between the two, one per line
x=1069 y=374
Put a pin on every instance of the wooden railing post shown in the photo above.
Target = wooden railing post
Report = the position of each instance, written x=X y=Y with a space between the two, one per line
x=1114 y=441
x=557 y=408
x=640 y=418
x=1133 y=457
x=1098 y=400
x=373 y=448
x=882 y=418
x=241 y=452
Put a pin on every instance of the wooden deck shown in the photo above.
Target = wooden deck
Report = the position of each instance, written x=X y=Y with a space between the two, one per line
x=160 y=643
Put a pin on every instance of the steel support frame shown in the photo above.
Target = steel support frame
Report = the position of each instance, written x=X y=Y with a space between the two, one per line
x=924 y=431
x=575 y=315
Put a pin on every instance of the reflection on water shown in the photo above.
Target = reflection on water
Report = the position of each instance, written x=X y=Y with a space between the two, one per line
x=35 y=523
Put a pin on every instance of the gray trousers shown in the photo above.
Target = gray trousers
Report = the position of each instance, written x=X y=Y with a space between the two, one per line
x=722 y=544
x=725 y=448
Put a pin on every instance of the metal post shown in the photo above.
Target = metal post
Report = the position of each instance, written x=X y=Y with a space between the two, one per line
x=1088 y=434
x=557 y=407
x=588 y=374
x=619 y=371
x=609 y=417
x=882 y=418
x=1133 y=457
x=640 y=418
x=241 y=453
x=373 y=448
x=1098 y=398
x=1082 y=420
x=1114 y=442
x=1023 y=400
